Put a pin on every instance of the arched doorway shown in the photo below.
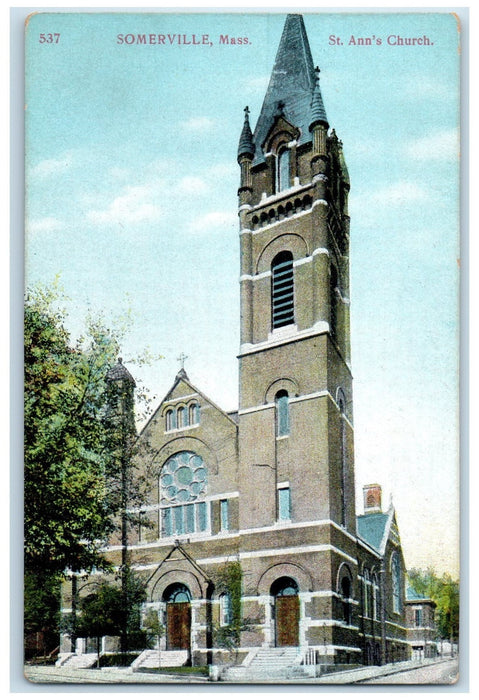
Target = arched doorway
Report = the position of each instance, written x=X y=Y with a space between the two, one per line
x=178 y=616
x=286 y=612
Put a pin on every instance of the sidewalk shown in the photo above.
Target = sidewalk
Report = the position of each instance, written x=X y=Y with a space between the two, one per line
x=367 y=672
x=52 y=674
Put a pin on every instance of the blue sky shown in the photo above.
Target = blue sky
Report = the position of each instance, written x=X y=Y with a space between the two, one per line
x=118 y=137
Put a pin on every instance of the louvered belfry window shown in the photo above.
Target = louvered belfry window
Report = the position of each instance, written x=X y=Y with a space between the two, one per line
x=282 y=289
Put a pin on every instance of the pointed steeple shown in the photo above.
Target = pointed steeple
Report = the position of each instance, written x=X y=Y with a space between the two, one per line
x=292 y=84
x=318 y=113
x=246 y=145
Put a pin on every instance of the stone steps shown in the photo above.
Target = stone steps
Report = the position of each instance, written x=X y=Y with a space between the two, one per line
x=168 y=659
x=77 y=660
x=269 y=664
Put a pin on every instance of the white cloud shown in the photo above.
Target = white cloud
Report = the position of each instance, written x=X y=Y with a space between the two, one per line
x=191 y=185
x=47 y=223
x=198 y=124
x=51 y=166
x=443 y=145
x=399 y=193
x=213 y=220
x=137 y=204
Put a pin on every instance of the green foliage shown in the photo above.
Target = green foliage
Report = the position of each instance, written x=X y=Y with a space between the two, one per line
x=101 y=613
x=107 y=611
x=229 y=580
x=444 y=591
x=41 y=601
x=66 y=516
x=152 y=625
x=79 y=446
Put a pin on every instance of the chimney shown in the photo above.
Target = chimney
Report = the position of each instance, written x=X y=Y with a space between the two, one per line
x=372 y=498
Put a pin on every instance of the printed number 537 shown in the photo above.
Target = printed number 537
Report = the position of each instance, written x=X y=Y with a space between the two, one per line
x=49 y=38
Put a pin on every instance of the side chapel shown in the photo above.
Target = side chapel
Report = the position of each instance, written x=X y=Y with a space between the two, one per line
x=271 y=487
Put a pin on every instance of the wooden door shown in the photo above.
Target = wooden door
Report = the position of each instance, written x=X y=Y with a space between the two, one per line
x=287 y=621
x=178 y=620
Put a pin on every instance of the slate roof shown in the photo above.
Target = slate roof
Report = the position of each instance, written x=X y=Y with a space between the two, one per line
x=292 y=82
x=371 y=527
x=412 y=595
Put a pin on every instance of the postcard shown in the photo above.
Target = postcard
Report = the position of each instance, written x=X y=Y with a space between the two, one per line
x=242 y=264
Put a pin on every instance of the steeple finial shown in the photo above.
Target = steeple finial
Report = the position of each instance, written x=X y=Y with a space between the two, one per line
x=182 y=372
x=182 y=359
x=246 y=144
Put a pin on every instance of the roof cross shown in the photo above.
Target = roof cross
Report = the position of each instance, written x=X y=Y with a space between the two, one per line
x=182 y=359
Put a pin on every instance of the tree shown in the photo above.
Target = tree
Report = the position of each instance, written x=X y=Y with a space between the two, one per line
x=100 y=615
x=153 y=627
x=444 y=591
x=67 y=516
x=41 y=612
x=79 y=469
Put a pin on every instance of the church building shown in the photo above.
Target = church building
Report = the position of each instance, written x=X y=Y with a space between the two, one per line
x=265 y=496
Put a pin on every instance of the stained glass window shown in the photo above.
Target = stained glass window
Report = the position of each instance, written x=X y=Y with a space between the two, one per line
x=183 y=482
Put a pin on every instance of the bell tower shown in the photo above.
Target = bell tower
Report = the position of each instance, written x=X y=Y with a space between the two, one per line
x=295 y=404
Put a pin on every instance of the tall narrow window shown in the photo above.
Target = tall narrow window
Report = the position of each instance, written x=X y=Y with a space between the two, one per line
x=346 y=596
x=181 y=417
x=224 y=519
x=342 y=409
x=333 y=302
x=282 y=413
x=284 y=504
x=170 y=419
x=226 y=616
x=418 y=617
x=193 y=414
x=282 y=289
x=283 y=170
x=396 y=582
x=366 y=593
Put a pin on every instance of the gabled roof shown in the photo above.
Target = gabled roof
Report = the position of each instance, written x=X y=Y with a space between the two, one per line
x=371 y=528
x=183 y=377
x=375 y=528
x=291 y=86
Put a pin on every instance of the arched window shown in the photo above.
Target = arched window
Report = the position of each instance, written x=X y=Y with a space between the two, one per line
x=181 y=417
x=396 y=582
x=283 y=177
x=177 y=593
x=282 y=289
x=376 y=600
x=346 y=596
x=193 y=414
x=170 y=419
x=366 y=593
x=282 y=413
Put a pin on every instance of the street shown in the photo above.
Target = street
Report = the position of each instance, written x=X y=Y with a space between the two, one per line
x=443 y=673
